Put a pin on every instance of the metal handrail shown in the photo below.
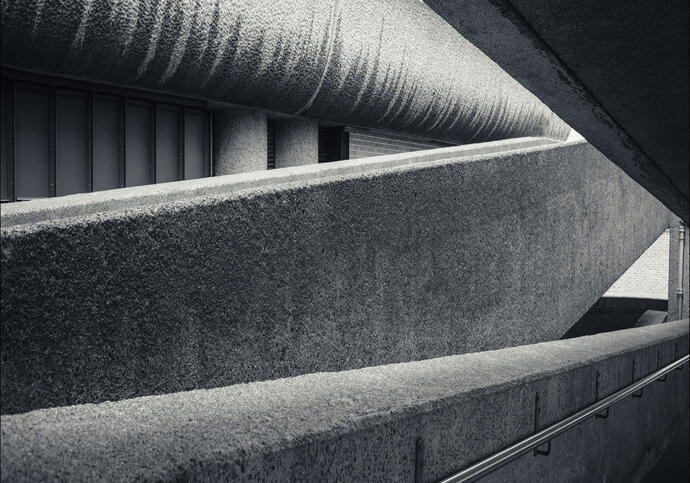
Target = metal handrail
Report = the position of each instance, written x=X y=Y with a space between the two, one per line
x=507 y=455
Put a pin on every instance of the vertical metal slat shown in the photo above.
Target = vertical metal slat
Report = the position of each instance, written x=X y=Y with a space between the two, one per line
x=89 y=142
x=11 y=168
x=206 y=145
x=52 y=158
x=152 y=142
x=180 y=143
x=122 y=171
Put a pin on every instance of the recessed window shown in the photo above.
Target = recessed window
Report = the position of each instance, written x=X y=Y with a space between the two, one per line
x=59 y=140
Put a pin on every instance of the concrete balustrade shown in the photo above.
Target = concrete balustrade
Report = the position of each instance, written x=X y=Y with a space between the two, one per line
x=437 y=254
x=363 y=425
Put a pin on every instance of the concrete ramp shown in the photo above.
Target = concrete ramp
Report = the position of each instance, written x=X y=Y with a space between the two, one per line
x=366 y=425
x=442 y=254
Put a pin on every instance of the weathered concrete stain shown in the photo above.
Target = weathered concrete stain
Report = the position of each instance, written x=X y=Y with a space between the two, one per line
x=382 y=63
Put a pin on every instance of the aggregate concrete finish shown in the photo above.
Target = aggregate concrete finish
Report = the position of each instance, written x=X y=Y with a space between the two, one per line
x=391 y=64
x=617 y=73
x=362 y=425
x=147 y=195
x=239 y=141
x=424 y=260
x=297 y=142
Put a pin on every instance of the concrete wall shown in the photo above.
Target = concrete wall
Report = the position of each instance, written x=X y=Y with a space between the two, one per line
x=297 y=142
x=618 y=76
x=65 y=207
x=441 y=257
x=674 y=312
x=363 y=425
x=239 y=141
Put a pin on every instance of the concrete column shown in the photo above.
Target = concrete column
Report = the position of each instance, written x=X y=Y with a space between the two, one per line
x=297 y=142
x=239 y=141
x=678 y=310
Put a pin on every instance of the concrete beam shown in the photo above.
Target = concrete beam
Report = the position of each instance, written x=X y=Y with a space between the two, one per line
x=297 y=142
x=239 y=141
x=446 y=255
x=617 y=73
x=370 y=63
x=363 y=425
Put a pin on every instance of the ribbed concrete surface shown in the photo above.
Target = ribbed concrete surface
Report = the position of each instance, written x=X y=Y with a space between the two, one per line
x=406 y=263
x=377 y=63
x=362 y=425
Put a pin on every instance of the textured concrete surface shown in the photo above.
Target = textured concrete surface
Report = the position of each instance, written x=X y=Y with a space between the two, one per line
x=675 y=310
x=141 y=196
x=297 y=142
x=617 y=73
x=406 y=263
x=239 y=141
x=374 y=63
x=362 y=425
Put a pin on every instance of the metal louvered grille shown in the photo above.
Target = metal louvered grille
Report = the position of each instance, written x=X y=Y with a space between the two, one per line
x=271 y=144
x=322 y=145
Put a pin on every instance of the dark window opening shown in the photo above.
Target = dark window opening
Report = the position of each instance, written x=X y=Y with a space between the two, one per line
x=60 y=137
x=333 y=144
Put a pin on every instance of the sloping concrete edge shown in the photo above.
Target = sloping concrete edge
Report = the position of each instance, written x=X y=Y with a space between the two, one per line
x=51 y=209
x=363 y=424
x=503 y=34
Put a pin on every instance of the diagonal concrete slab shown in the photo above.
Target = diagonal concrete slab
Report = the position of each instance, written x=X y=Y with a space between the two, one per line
x=362 y=425
x=425 y=259
x=616 y=72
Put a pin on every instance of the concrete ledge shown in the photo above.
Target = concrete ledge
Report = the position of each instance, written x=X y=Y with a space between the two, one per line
x=51 y=209
x=362 y=425
x=428 y=259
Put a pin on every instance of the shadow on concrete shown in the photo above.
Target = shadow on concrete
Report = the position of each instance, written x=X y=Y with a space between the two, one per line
x=613 y=313
x=674 y=464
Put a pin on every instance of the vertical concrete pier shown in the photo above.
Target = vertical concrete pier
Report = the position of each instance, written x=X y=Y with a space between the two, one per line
x=297 y=142
x=239 y=141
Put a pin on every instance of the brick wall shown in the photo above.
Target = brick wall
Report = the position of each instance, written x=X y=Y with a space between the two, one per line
x=364 y=144
x=648 y=276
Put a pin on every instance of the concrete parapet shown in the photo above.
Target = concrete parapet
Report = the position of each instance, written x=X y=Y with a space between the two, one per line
x=363 y=425
x=240 y=142
x=297 y=142
x=141 y=196
x=439 y=257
